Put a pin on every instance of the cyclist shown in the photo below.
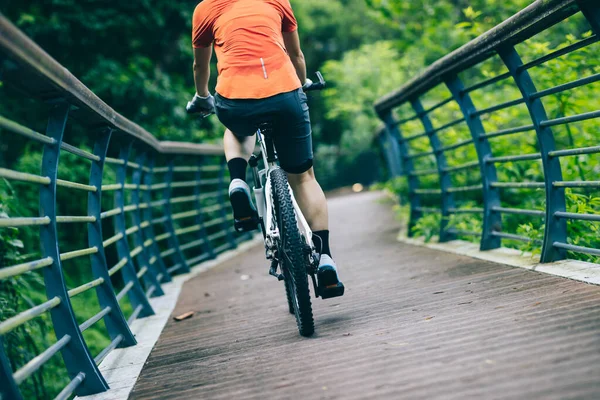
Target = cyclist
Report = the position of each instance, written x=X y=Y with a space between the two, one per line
x=260 y=70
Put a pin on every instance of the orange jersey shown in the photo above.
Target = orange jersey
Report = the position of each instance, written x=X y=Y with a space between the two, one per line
x=247 y=35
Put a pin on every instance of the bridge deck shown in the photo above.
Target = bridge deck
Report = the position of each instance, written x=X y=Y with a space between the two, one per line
x=414 y=323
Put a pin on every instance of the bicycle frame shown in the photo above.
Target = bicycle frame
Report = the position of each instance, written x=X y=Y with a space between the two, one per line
x=264 y=199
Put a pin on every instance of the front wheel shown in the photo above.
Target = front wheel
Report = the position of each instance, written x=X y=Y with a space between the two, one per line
x=293 y=258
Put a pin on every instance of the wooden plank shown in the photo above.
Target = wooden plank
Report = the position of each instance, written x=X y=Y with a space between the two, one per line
x=414 y=323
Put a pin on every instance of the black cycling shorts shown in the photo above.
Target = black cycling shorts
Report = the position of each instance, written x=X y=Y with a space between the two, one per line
x=288 y=115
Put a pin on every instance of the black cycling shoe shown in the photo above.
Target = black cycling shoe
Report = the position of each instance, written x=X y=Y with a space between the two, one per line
x=244 y=213
x=329 y=284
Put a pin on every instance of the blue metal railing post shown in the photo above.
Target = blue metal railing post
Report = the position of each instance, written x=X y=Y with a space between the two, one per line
x=170 y=225
x=223 y=200
x=137 y=297
x=556 y=228
x=8 y=386
x=76 y=354
x=207 y=246
x=391 y=151
x=492 y=221
x=591 y=12
x=115 y=322
x=149 y=229
x=143 y=259
x=447 y=201
x=407 y=165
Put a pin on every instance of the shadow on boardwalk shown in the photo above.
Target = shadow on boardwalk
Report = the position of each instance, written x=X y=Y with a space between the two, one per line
x=414 y=323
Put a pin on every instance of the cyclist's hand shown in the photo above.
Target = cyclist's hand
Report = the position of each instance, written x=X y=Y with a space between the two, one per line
x=308 y=83
x=204 y=105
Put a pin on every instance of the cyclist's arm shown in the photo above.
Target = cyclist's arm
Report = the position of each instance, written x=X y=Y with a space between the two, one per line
x=292 y=45
x=202 y=57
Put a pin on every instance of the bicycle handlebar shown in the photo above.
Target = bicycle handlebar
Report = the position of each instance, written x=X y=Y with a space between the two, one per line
x=320 y=85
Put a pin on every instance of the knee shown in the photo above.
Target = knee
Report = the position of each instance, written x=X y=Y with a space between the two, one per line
x=300 y=169
x=302 y=177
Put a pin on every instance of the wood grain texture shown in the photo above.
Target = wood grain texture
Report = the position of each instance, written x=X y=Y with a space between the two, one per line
x=414 y=323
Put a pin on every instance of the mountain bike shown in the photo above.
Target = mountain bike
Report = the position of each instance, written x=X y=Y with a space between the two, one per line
x=288 y=238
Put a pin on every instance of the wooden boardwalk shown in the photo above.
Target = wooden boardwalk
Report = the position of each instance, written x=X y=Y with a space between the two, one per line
x=414 y=324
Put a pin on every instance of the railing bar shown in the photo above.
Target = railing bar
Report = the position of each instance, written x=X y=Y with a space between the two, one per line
x=209 y=195
x=465 y=210
x=405 y=120
x=78 y=152
x=142 y=272
x=78 y=253
x=572 y=118
x=424 y=172
x=159 y=220
x=464 y=233
x=83 y=327
x=158 y=186
x=116 y=161
x=152 y=289
x=8 y=272
x=190 y=245
x=133 y=165
x=566 y=86
x=14 y=222
x=514 y=237
x=498 y=107
x=471 y=164
x=135 y=314
x=581 y=217
x=113 y=345
x=575 y=152
x=448 y=125
x=573 y=184
x=210 y=168
x=19 y=319
x=182 y=199
x=419 y=155
x=216 y=235
x=71 y=387
x=117 y=267
x=162 y=237
x=112 y=187
x=112 y=240
x=508 y=131
x=167 y=253
x=130 y=207
x=413 y=137
x=438 y=105
x=216 y=207
x=208 y=182
x=125 y=290
x=23 y=177
x=77 y=186
x=222 y=247
x=429 y=209
x=518 y=185
x=189 y=229
x=199 y=258
x=148 y=243
x=173 y=268
x=568 y=49
x=456 y=145
x=135 y=251
x=486 y=82
x=465 y=188
x=84 y=288
x=186 y=214
x=213 y=222
x=185 y=169
x=427 y=191
x=522 y=157
x=24 y=131
x=73 y=220
x=160 y=170
x=111 y=213
x=577 y=249
x=536 y=213
x=144 y=224
x=186 y=184
x=131 y=230
x=37 y=362
x=130 y=186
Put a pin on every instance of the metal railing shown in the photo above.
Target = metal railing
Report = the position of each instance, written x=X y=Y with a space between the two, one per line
x=463 y=159
x=154 y=209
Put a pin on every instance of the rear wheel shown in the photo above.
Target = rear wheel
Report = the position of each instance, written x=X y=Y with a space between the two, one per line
x=293 y=258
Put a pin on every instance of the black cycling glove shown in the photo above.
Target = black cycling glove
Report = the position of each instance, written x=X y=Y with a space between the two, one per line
x=205 y=105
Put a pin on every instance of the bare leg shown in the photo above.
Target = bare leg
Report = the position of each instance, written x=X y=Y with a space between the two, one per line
x=238 y=147
x=311 y=199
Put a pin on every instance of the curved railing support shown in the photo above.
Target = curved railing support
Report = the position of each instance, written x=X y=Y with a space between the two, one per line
x=75 y=353
x=115 y=322
x=135 y=292
x=413 y=182
x=556 y=228
x=446 y=198
x=492 y=221
x=8 y=386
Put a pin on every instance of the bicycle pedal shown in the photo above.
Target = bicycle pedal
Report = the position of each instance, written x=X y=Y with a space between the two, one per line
x=246 y=224
x=330 y=291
